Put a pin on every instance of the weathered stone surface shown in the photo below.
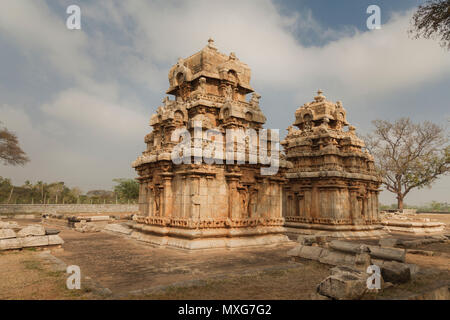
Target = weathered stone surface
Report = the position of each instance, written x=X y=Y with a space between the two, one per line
x=13 y=243
x=99 y=218
x=388 y=242
x=309 y=252
x=306 y=240
x=32 y=230
x=7 y=234
x=337 y=258
x=349 y=247
x=8 y=225
x=343 y=284
x=395 y=272
x=55 y=240
x=49 y=232
x=34 y=241
x=86 y=227
x=421 y=252
x=395 y=254
x=115 y=227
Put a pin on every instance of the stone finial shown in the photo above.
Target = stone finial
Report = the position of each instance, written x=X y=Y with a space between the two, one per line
x=211 y=44
x=233 y=56
x=320 y=97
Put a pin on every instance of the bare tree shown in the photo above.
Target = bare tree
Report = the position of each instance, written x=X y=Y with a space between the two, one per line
x=432 y=20
x=408 y=155
x=10 y=152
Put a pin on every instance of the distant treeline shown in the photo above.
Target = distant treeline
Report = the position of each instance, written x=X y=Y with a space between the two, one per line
x=125 y=191
x=432 y=206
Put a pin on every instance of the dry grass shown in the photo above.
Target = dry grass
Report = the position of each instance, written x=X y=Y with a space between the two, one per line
x=25 y=276
x=291 y=284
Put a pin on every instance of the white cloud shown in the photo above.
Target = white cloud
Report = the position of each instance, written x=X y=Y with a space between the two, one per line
x=88 y=111
x=42 y=36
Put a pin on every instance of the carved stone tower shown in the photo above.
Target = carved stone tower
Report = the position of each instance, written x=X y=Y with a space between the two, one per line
x=333 y=187
x=219 y=204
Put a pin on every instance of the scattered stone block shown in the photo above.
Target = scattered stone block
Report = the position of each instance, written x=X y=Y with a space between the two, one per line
x=9 y=244
x=421 y=252
x=9 y=225
x=395 y=272
x=311 y=253
x=119 y=228
x=49 y=232
x=438 y=238
x=32 y=230
x=306 y=240
x=294 y=252
x=395 y=254
x=7 y=233
x=343 y=285
x=389 y=242
x=55 y=240
x=99 y=218
x=36 y=241
x=349 y=247
x=336 y=258
x=86 y=227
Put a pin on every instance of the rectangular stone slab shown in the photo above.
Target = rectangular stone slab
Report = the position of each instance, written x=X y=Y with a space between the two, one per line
x=7 y=234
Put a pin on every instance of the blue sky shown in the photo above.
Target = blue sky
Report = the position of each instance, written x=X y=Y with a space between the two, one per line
x=80 y=101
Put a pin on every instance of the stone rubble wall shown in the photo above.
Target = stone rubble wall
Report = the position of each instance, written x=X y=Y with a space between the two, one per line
x=67 y=208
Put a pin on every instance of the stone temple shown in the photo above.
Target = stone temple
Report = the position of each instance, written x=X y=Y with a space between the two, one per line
x=333 y=187
x=193 y=196
x=219 y=204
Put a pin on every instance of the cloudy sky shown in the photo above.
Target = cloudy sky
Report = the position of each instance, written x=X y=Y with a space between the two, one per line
x=80 y=100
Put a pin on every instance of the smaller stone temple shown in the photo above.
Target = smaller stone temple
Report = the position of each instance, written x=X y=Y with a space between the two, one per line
x=333 y=186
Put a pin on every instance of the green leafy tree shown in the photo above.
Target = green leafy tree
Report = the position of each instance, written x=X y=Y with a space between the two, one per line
x=127 y=189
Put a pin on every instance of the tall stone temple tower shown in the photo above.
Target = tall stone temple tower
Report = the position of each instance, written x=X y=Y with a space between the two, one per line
x=194 y=204
x=333 y=187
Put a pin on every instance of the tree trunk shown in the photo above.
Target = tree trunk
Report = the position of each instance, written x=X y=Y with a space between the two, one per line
x=10 y=194
x=400 y=203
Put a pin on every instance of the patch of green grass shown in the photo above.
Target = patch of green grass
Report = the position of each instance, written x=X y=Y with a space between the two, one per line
x=32 y=265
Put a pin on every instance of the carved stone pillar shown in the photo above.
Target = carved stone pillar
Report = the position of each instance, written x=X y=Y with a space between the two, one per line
x=167 y=195
x=234 y=207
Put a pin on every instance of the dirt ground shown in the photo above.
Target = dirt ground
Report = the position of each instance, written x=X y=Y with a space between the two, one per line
x=128 y=269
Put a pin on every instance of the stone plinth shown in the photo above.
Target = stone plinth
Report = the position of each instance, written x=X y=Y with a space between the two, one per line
x=333 y=187
x=410 y=224
x=203 y=200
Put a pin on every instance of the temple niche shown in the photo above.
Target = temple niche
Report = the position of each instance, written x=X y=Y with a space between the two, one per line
x=199 y=205
x=333 y=187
